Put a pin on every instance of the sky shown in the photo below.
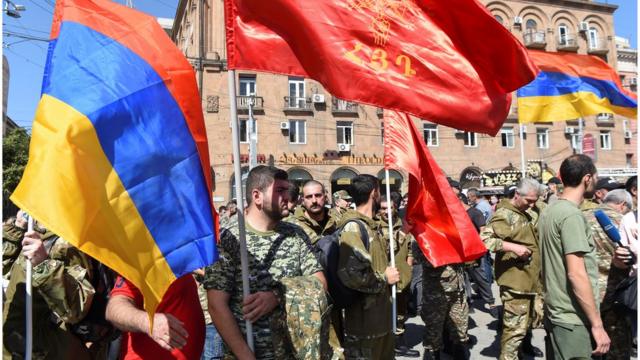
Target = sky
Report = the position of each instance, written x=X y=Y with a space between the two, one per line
x=27 y=57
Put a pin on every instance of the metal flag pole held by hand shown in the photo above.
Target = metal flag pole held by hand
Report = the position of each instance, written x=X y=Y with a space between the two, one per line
x=29 y=302
x=394 y=308
x=244 y=260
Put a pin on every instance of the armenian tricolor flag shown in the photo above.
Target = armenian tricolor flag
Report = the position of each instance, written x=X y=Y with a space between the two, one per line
x=570 y=86
x=118 y=162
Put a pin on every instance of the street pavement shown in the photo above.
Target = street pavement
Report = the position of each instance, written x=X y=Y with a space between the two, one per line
x=482 y=331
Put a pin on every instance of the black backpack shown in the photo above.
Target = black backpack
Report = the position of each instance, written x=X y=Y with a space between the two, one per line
x=327 y=251
x=94 y=328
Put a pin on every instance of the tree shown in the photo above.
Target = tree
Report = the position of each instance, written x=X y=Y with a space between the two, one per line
x=15 y=153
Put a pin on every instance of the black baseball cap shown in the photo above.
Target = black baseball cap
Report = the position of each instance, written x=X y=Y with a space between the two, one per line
x=554 y=180
x=608 y=183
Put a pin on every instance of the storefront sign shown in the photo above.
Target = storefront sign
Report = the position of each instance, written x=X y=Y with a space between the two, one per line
x=470 y=177
x=244 y=158
x=329 y=158
x=500 y=178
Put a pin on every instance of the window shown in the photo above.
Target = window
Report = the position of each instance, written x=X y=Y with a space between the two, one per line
x=499 y=19
x=382 y=133
x=575 y=141
x=296 y=93
x=562 y=34
x=531 y=25
x=593 y=38
x=542 y=138
x=345 y=132
x=507 y=137
x=247 y=85
x=297 y=132
x=470 y=139
x=245 y=136
x=605 y=140
x=430 y=133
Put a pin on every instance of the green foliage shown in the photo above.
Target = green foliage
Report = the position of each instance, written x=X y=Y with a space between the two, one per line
x=15 y=153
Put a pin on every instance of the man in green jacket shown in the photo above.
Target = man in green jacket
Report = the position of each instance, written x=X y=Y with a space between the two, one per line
x=314 y=217
x=511 y=234
x=62 y=296
x=368 y=332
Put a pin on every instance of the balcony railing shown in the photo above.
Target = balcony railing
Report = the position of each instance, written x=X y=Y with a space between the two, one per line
x=294 y=103
x=598 y=46
x=243 y=102
x=535 y=39
x=568 y=42
x=339 y=106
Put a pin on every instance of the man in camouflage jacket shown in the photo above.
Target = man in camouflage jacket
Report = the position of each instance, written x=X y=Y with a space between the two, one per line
x=277 y=250
x=313 y=217
x=612 y=271
x=511 y=235
x=62 y=295
x=368 y=332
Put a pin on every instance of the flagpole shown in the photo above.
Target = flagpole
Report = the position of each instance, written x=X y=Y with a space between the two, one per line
x=394 y=308
x=580 y=136
x=29 y=301
x=244 y=261
x=522 y=160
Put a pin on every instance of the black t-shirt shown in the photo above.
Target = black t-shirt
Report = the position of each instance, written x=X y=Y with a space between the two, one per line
x=477 y=218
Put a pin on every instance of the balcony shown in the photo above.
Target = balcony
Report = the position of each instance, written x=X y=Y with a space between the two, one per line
x=598 y=46
x=242 y=102
x=295 y=104
x=343 y=107
x=568 y=42
x=535 y=40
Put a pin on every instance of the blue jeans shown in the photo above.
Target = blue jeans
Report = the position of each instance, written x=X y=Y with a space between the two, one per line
x=213 y=348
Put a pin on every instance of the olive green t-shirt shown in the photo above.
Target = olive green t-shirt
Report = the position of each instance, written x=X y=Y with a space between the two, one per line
x=563 y=230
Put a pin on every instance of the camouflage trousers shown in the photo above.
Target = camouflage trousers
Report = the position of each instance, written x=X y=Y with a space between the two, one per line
x=520 y=314
x=402 y=302
x=443 y=310
x=617 y=324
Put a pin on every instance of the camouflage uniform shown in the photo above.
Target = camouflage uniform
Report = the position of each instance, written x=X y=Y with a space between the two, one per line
x=273 y=256
x=616 y=322
x=62 y=295
x=312 y=228
x=402 y=250
x=11 y=246
x=315 y=231
x=367 y=321
x=336 y=213
x=519 y=280
x=588 y=204
x=229 y=222
x=444 y=304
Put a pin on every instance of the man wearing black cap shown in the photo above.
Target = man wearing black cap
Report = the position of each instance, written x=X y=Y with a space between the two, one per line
x=603 y=186
x=553 y=184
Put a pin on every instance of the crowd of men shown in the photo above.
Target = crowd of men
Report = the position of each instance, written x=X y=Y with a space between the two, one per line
x=554 y=263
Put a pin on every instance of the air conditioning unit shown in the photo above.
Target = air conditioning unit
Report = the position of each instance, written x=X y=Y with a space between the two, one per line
x=344 y=147
x=317 y=98
x=584 y=26
x=604 y=117
x=628 y=134
x=569 y=130
x=284 y=125
x=517 y=20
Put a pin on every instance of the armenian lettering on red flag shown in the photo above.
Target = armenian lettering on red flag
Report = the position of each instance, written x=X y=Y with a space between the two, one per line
x=118 y=161
x=570 y=86
x=441 y=225
x=423 y=57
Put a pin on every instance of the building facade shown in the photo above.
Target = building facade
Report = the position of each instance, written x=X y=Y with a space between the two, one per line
x=302 y=128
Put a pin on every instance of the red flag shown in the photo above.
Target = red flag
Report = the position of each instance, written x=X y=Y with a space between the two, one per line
x=447 y=61
x=440 y=224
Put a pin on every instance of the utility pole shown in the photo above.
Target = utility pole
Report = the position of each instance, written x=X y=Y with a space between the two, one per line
x=253 y=136
x=580 y=136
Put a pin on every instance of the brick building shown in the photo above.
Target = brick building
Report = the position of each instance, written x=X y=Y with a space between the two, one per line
x=312 y=134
